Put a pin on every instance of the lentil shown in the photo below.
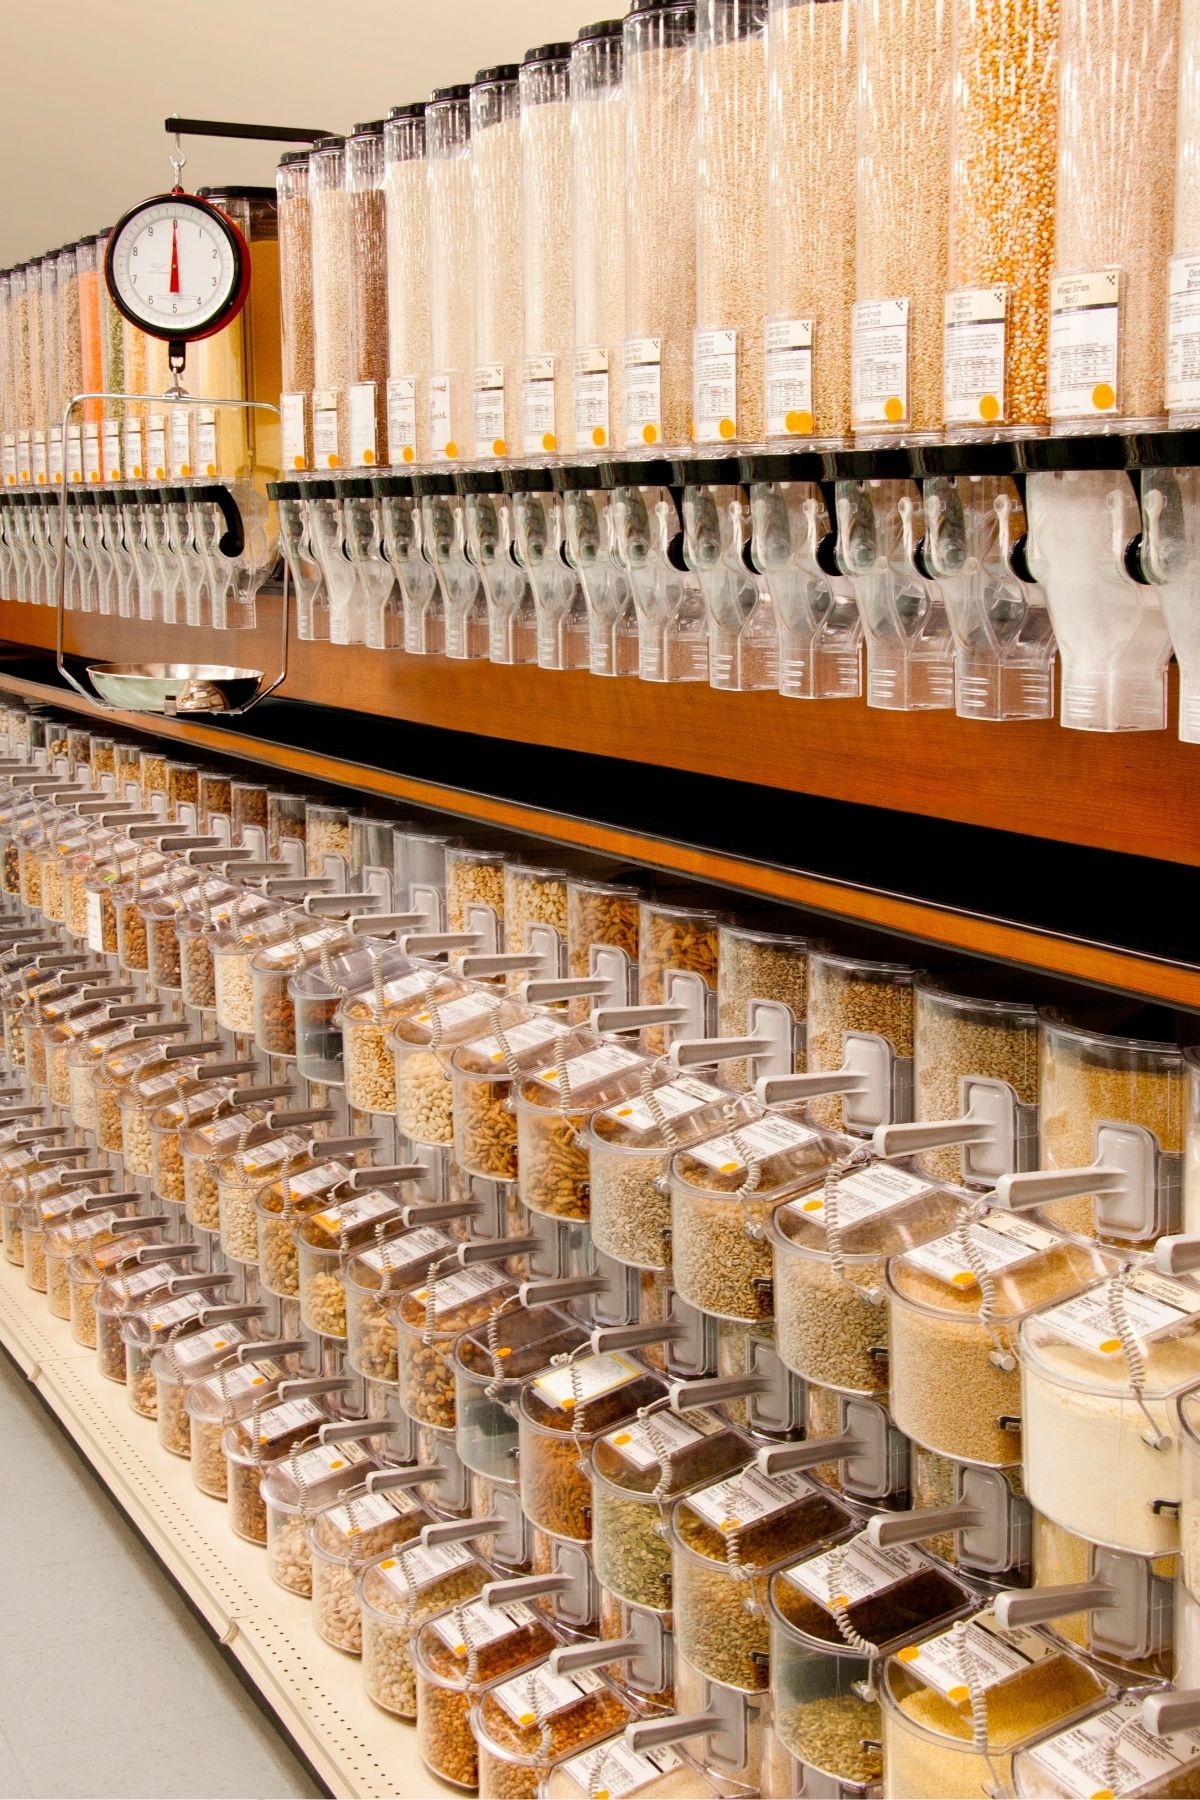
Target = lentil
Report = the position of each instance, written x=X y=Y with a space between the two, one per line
x=1002 y=180
x=902 y=206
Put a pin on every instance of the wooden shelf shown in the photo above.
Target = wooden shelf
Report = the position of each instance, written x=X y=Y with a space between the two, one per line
x=1131 y=795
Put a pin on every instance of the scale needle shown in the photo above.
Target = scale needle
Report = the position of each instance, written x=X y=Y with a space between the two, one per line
x=174 y=287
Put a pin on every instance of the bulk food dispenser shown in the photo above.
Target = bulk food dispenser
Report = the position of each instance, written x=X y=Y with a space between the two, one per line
x=511 y=615
x=743 y=639
x=496 y=209
x=546 y=269
x=406 y=205
x=792 y=510
x=598 y=189
x=590 y=530
x=451 y=330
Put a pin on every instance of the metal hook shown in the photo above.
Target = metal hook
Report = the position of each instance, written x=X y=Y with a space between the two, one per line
x=178 y=161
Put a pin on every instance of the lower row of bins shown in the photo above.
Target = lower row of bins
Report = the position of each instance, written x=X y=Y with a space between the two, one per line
x=406 y=1399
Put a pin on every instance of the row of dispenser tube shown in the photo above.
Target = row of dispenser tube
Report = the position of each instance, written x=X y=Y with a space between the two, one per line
x=961 y=589
x=194 y=555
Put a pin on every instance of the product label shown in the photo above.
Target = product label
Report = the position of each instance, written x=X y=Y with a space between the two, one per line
x=855 y=1571
x=643 y=391
x=1080 y=1760
x=539 y=1694
x=10 y=460
x=644 y=1452
x=324 y=1459
x=156 y=448
x=531 y=1034
x=95 y=922
x=456 y=1013
x=585 y=1379
x=714 y=385
x=178 y=1311
x=864 y=1195
x=206 y=441
x=464 y=1286
x=110 y=451
x=879 y=363
x=787 y=371
x=1154 y=1304
x=973 y=356
x=753 y=1143
x=1085 y=331
x=441 y=418
x=539 y=426
x=73 y=459
x=135 y=461
x=593 y=1066
x=369 y=1510
x=24 y=456
x=139 y=1282
x=179 y=442
x=748 y=1498
x=1183 y=334
x=589 y=393
x=54 y=454
x=276 y=1150
x=414 y=1246
x=38 y=457
x=674 y=1100
x=402 y=418
x=290 y=1415
x=418 y=1565
x=997 y=1656
x=364 y=451
x=326 y=449
x=355 y=1212
x=1002 y=1243
x=291 y=426
x=483 y=1624
x=202 y=1344
x=613 y=1770
x=94 y=456
x=491 y=437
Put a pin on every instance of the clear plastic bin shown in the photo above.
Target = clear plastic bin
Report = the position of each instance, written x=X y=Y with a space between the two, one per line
x=260 y=1433
x=602 y=934
x=637 y=1471
x=180 y=1363
x=429 y=1320
x=454 y=1654
x=342 y=1539
x=311 y=1477
x=673 y=937
x=485 y=1073
x=560 y=1415
x=726 y=1541
x=474 y=880
x=272 y=971
x=824 y=1708
x=407 y=213
x=324 y=1239
x=451 y=324
x=258 y=1159
x=553 y=1107
x=367 y=1016
x=396 y=1593
x=962 y=1038
x=373 y=1278
x=426 y=1033
x=215 y=1401
x=852 y=995
x=760 y=966
x=250 y=928
x=496 y=210
x=629 y=1151
x=723 y=1192
x=280 y=1209
x=1099 y=1377
x=203 y=1147
x=197 y=1101
x=487 y=1381
x=598 y=187
x=930 y=1746
x=547 y=295
x=527 y=1724
x=831 y=1303
x=1054 y=1768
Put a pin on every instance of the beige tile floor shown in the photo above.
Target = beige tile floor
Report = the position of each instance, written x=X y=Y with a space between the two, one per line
x=109 y=1688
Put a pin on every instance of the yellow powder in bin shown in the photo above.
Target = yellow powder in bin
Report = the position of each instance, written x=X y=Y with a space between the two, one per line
x=264 y=357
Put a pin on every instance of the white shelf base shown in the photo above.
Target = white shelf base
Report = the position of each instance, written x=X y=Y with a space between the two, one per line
x=315 y=1692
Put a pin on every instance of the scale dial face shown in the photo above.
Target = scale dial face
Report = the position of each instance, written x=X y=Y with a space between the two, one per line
x=177 y=268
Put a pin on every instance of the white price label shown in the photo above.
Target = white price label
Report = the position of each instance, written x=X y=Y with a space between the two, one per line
x=484 y=1624
x=134 y=457
x=206 y=441
x=10 y=460
x=54 y=454
x=714 y=385
x=414 y=1247
x=856 y=1571
x=643 y=391
x=530 y=1034
x=539 y=1694
x=973 y=366
x=358 y=1211
x=93 y=454
x=585 y=1379
x=593 y=1066
x=1183 y=334
x=748 y=1498
x=74 y=454
x=110 y=459
x=645 y=1451
x=1002 y=1241
x=326 y=448
x=38 y=444
x=612 y=1770
x=997 y=1656
x=1080 y=1760
x=491 y=437
x=95 y=921
x=289 y=1415
x=419 y=1564
x=402 y=418
x=24 y=456
x=539 y=426
x=369 y=1511
x=323 y=1460
x=212 y=1342
x=589 y=395
x=364 y=449
x=753 y=1143
x=156 y=447
x=291 y=425
x=674 y=1100
x=178 y=1311
x=464 y=1286
x=441 y=417
x=879 y=363
x=787 y=373
x=1154 y=1304
x=864 y=1195
x=1085 y=333
x=179 y=444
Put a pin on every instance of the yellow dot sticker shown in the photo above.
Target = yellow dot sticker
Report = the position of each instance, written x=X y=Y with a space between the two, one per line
x=451 y=448
x=408 y=454
x=964 y=1278
x=368 y=456
x=799 y=422
x=893 y=410
x=499 y=446
x=727 y=428
x=186 y=468
x=1110 y=1346
x=1103 y=396
x=297 y=463
x=989 y=408
x=549 y=441
x=211 y=468
x=650 y=434
x=160 y=473
x=599 y=436
x=335 y=461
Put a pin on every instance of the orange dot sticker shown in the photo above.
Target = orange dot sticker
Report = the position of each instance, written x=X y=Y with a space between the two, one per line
x=211 y=468
x=499 y=447
x=368 y=456
x=186 y=468
x=799 y=422
x=893 y=410
x=335 y=461
x=989 y=408
x=297 y=463
x=1103 y=396
x=408 y=454
x=727 y=428
x=160 y=474
x=599 y=436
x=451 y=448
x=650 y=434
x=549 y=441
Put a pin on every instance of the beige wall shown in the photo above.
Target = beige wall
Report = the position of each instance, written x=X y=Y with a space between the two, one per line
x=87 y=84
